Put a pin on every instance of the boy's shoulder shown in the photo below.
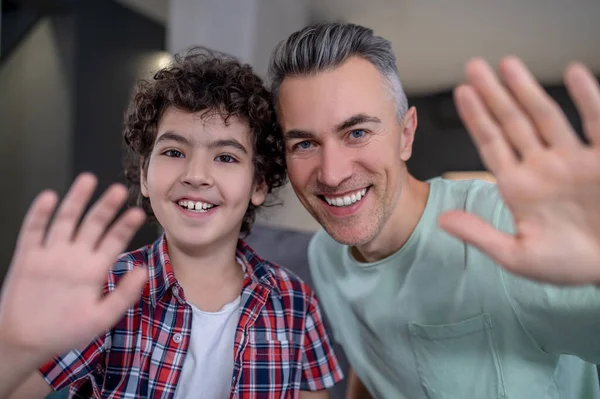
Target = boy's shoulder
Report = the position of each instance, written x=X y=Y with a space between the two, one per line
x=128 y=260
x=147 y=256
x=285 y=281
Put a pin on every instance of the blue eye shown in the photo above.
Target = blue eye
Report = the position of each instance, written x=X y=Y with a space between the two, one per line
x=173 y=154
x=226 y=159
x=305 y=145
x=357 y=134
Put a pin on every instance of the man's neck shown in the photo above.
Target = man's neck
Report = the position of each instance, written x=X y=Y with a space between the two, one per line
x=210 y=277
x=399 y=226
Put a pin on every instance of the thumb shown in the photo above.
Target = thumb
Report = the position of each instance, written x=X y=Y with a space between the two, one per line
x=115 y=304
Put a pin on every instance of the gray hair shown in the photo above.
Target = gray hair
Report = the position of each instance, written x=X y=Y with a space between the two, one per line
x=325 y=46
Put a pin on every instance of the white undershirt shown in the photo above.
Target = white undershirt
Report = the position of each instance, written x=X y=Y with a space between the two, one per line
x=208 y=365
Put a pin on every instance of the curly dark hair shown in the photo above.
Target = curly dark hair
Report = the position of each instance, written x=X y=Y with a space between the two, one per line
x=205 y=80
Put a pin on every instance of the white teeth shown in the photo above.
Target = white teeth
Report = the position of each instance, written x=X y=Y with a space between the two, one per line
x=195 y=205
x=347 y=199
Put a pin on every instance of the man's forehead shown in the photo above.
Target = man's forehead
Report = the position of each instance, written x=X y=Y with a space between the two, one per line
x=354 y=72
x=330 y=115
x=353 y=87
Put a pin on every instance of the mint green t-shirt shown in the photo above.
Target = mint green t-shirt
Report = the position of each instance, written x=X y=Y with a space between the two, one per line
x=438 y=319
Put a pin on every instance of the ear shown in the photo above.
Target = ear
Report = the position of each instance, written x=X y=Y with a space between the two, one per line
x=144 y=178
x=259 y=194
x=409 y=127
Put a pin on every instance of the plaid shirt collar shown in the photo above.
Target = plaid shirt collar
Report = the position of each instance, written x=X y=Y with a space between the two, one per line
x=162 y=277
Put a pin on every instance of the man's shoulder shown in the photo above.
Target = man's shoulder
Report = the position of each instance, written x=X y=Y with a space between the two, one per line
x=461 y=188
x=325 y=254
x=476 y=196
x=322 y=242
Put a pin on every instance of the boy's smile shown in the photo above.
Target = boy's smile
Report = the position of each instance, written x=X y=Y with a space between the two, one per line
x=195 y=205
x=195 y=208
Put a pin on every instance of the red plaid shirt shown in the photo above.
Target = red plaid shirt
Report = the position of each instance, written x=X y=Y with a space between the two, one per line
x=281 y=346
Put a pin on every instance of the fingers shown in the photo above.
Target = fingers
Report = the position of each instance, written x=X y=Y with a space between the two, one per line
x=501 y=247
x=120 y=233
x=116 y=303
x=550 y=121
x=36 y=220
x=101 y=215
x=70 y=210
x=585 y=92
x=514 y=123
x=527 y=117
x=494 y=149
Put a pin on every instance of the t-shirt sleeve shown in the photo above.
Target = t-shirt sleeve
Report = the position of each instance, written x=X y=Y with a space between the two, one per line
x=320 y=366
x=67 y=369
x=560 y=319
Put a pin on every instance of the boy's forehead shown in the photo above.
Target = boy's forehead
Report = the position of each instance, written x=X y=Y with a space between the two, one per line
x=204 y=125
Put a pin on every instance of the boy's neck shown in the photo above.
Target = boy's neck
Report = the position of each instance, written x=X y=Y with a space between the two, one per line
x=210 y=277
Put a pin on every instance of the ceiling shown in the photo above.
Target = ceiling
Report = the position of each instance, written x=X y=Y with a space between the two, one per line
x=434 y=38
x=154 y=9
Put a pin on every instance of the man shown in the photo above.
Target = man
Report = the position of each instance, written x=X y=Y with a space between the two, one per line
x=419 y=313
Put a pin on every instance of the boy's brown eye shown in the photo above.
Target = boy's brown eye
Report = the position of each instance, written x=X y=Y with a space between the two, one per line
x=174 y=154
x=226 y=159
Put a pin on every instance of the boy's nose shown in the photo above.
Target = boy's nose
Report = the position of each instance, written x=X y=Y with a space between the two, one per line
x=197 y=173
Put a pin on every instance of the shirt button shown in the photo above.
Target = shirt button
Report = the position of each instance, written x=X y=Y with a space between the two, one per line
x=175 y=291
x=177 y=338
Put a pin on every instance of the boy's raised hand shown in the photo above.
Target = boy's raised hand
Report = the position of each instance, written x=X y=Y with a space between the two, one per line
x=52 y=299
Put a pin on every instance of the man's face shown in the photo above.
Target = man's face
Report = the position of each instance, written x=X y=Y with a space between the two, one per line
x=345 y=148
x=200 y=178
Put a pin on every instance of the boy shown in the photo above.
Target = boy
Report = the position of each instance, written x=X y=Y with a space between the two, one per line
x=214 y=320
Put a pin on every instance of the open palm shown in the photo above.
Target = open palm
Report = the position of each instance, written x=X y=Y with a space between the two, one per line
x=548 y=178
x=52 y=298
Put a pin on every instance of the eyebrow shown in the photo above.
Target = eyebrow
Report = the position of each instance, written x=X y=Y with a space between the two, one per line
x=172 y=136
x=356 y=120
x=228 y=143
x=348 y=123
x=297 y=134
x=211 y=145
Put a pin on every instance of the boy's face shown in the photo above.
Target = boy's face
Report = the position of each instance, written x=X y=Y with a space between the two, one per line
x=200 y=178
